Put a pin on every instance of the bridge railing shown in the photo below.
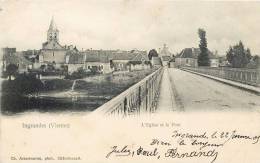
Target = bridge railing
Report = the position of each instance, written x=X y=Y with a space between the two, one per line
x=242 y=75
x=140 y=97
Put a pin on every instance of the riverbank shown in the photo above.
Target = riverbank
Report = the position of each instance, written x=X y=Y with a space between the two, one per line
x=60 y=94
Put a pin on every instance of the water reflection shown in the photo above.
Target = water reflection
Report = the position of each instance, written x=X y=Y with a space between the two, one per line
x=51 y=102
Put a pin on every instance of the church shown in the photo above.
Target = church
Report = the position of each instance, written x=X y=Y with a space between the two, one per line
x=52 y=52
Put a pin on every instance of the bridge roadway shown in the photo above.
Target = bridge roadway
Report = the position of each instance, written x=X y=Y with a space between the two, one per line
x=185 y=91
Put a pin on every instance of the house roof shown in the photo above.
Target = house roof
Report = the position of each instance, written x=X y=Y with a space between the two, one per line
x=96 y=58
x=123 y=56
x=140 y=57
x=104 y=56
x=189 y=53
x=76 y=58
x=193 y=53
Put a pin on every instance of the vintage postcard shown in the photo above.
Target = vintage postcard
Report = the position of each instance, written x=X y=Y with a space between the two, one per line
x=129 y=81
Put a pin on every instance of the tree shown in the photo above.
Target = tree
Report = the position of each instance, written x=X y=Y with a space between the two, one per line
x=152 y=53
x=238 y=56
x=203 y=58
x=254 y=62
x=50 y=67
x=27 y=83
x=11 y=70
x=64 y=69
x=256 y=59
x=112 y=65
x=43 y=68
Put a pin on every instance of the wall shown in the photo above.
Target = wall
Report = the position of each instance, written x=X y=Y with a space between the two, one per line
x=57 y=56
x=121 y=65
x=139 y=67
x=104 y=67
x=186 y=62
x=74 y=67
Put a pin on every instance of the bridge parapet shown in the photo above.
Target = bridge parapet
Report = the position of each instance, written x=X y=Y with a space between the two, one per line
x=140 y=97
x=242 y=75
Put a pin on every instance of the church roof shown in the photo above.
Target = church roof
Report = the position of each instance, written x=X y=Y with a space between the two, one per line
x=52 y=45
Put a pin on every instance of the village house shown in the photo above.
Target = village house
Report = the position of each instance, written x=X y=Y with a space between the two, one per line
x=109 y=60
x=156 y=62
x=106 y=61
x=11 y=56
x=74 y=60
x=121 y=61
x=139 y=62
x=189 y=57
x=98 y=60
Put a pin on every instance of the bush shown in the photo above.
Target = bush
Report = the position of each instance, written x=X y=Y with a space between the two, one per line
x=23 y=84
x=80 y=74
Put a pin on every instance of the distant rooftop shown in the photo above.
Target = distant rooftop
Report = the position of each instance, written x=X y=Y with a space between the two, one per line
x=193 y=53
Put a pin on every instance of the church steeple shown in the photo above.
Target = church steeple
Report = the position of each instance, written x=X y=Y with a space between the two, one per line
x=53 y=32
x=52 y=24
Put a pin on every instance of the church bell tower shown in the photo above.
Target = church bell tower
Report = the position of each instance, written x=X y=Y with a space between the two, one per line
x=53 y=32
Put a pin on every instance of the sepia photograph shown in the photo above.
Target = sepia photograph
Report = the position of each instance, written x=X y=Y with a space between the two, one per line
x=130 y=81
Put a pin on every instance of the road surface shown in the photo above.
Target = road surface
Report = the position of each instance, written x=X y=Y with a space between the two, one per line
x=192 y=92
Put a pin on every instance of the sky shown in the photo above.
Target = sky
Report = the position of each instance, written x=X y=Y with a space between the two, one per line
x=129 y=24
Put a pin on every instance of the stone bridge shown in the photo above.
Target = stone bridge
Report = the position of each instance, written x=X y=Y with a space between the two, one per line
x=188 y=89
